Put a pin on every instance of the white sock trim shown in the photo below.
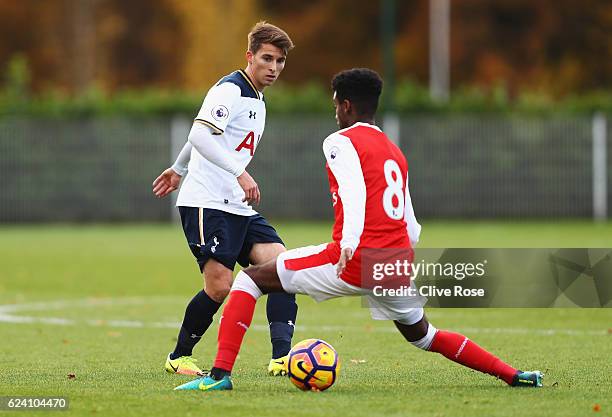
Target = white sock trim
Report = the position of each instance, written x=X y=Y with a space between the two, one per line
x=245 y=283
x=425 y=342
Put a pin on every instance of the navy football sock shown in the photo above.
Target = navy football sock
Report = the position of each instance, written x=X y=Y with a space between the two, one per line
x=281 y=309
x=218 y=374
x=198 y=317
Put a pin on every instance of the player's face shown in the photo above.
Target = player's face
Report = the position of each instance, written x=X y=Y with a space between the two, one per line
x=266 y=65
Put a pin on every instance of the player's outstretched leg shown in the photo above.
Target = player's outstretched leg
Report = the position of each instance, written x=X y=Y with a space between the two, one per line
x=462 y=350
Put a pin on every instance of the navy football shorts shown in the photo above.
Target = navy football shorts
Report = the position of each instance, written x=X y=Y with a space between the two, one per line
x=224 y=237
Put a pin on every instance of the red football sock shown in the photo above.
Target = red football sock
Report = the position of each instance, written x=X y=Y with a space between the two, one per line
x=235 y=320
x=460 y=349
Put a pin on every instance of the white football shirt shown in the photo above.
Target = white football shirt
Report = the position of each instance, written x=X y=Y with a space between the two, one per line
x=236 y=114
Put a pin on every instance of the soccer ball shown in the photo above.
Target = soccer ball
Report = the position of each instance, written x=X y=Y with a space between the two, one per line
x=313 y=365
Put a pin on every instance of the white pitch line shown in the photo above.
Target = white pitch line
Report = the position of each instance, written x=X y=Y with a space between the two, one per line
x=86 y=303
x=8 y=315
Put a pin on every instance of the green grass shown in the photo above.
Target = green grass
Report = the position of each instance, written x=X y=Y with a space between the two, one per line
x=145 y=274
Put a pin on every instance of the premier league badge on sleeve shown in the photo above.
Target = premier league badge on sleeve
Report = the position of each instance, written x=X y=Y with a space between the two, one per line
x=333 y=153
x=220 y=113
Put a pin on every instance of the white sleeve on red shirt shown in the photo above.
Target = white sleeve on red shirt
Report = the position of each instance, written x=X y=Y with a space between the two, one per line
x=344 y=163
x=412 y=226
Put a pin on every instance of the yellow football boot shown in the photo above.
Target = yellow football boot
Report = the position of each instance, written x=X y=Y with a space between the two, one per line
x=278 y=367
x=185 y=365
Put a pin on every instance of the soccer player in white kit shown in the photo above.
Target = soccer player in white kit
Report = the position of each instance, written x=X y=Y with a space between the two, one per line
x=215 y=197
x=368 y=178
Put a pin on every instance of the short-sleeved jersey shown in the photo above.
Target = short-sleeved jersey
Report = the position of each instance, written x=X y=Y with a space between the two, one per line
x=235 y=112
x=368 y=179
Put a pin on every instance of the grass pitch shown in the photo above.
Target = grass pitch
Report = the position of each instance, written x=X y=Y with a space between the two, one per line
x=103 y=303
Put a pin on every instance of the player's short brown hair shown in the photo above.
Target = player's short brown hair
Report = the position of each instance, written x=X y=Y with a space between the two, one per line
x=264 y=32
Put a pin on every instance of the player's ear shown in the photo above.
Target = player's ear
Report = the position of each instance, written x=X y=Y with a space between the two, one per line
x=347 y=106
x=249 y=57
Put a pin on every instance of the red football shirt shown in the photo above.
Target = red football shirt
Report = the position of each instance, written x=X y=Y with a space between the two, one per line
x=368 y=179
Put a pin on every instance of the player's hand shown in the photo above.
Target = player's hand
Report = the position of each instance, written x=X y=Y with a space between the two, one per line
x=345 y=255
x=250 y=188
x=167 y=182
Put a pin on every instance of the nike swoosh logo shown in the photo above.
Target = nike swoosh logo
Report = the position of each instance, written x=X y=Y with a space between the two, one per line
x=207 y=387
x=280 y=362
x=300 y=366
x=173 y=368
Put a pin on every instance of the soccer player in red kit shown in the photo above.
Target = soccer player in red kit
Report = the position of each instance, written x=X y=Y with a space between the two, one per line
x=368 y=178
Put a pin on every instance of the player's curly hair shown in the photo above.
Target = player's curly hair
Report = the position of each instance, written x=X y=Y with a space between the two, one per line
x=264 y=32
x=360 y=86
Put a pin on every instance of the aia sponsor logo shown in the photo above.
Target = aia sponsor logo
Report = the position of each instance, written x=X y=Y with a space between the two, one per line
x=248 y=143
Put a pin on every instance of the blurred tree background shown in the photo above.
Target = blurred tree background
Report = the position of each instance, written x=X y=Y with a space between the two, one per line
x=557 y=47
x=531 y=91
